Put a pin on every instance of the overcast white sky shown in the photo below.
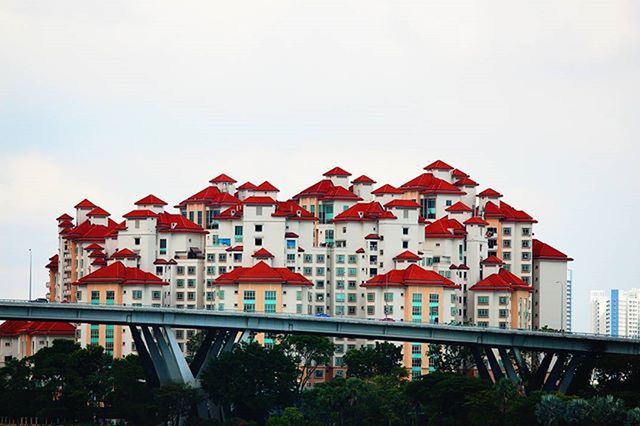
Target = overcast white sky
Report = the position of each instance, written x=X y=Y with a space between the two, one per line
x=114 y=100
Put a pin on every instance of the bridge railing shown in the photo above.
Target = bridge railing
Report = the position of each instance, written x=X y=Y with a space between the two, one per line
x=233 y=311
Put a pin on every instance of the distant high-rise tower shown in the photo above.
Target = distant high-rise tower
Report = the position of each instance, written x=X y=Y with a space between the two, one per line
x=615 y=313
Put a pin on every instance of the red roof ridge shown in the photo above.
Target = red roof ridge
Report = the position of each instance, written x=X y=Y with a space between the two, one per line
x=387 y=189
x=259 y=200
x=476 y=220
x=262 y=253
x=363 y=179
x=459 y=207
x=98 y=212
x=150 y=200
x=222 y=178
x=337 y=171
x=438 y=165
x=85 y=204
x=267 y=187
x=546 y=252
x=407 y=255
x=490 y=193
x=124 y=253
x=492 y=260
x=402 y=204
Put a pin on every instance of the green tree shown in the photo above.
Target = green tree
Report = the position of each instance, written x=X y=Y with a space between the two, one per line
x=75 y=381
x=194 y=343
x=175 y=402
x=383 y=359
x=132 y=399
x=291 y=416
x=252 y=380
x=309 y=352
x=551 y=410
x=354 y=401
x=433 y=395
x=16 y=386
x=451 y=358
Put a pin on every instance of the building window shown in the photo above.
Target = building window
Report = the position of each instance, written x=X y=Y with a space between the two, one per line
x=320 y=271
x=506 y=232
x=136 y=294
x=503 y=300
x=483 y=313
x=163 y=246
x=526 y=232
x=191 y=283
x=352 y=259
x=191 y=296
x=340 y=297
x=155 y=295
x=95 y=297
x=180 y=270
x=434 y=298
x=526 y=268
x=483 y=300
x=503 y=313
x=211 y=270
x=506 y=255
x=526 y=255
x=191 y=270
x=307 y=258
x=258 y=210
x=371 y=297
x=111 y=296
x=405 y=231
x=180 y=283
x=526 y=243
x=388 y=297
x=388 y=310
x=405 y=244
x=222 y=257
x=258 y=228
x=506 y=243
x=258 y=242
x=320 y=258
x=371 y=310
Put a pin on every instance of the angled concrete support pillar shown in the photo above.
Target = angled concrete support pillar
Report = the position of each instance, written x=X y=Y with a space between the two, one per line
x=556 y=372
x=508 y=366
x=173 y=357
x=493 y=363
x=156 y=357
x=201 y=354
x=230 y=341
x=539 y=377
x=480 y=365
x=569 y=373
x=523 y=370
x=145 y=358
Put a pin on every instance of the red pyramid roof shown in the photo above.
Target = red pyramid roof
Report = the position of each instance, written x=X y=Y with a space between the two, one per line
x=124 y=253
x=260 y=200
x=293 y=211
x=120 y=274
x=267 y=187
x=466 y=181
x=387 y=189
x=459 y=207
x=246 y=186
x=176 y=223
x=140 y=214
x=65 y=224
x=222 y=178
x=64 y=216
x=503 y=280
x=98 y=212
x=263 y=253
x=262 y=273
x=150 y=200
x=363 y=212
x=476 y=221
x=337 y=171
x=426 y=183
x=490 y=193
x=456 y=173
x=412 y=275
x=340 y=193
x=93 y=246
x=545 y=251
x=407 y=255
x=402 y=204
x=438 y=165
x=211 y=196
x=445 y=228
x=364 y=180
x=492 y=260
x=85 y=204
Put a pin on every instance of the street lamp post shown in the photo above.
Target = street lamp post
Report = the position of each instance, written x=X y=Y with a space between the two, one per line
x=30 y=268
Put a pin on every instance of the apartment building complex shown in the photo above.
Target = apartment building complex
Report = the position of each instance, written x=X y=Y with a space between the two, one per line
x=19 y=339
x=615 y=313
x=429 y=250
